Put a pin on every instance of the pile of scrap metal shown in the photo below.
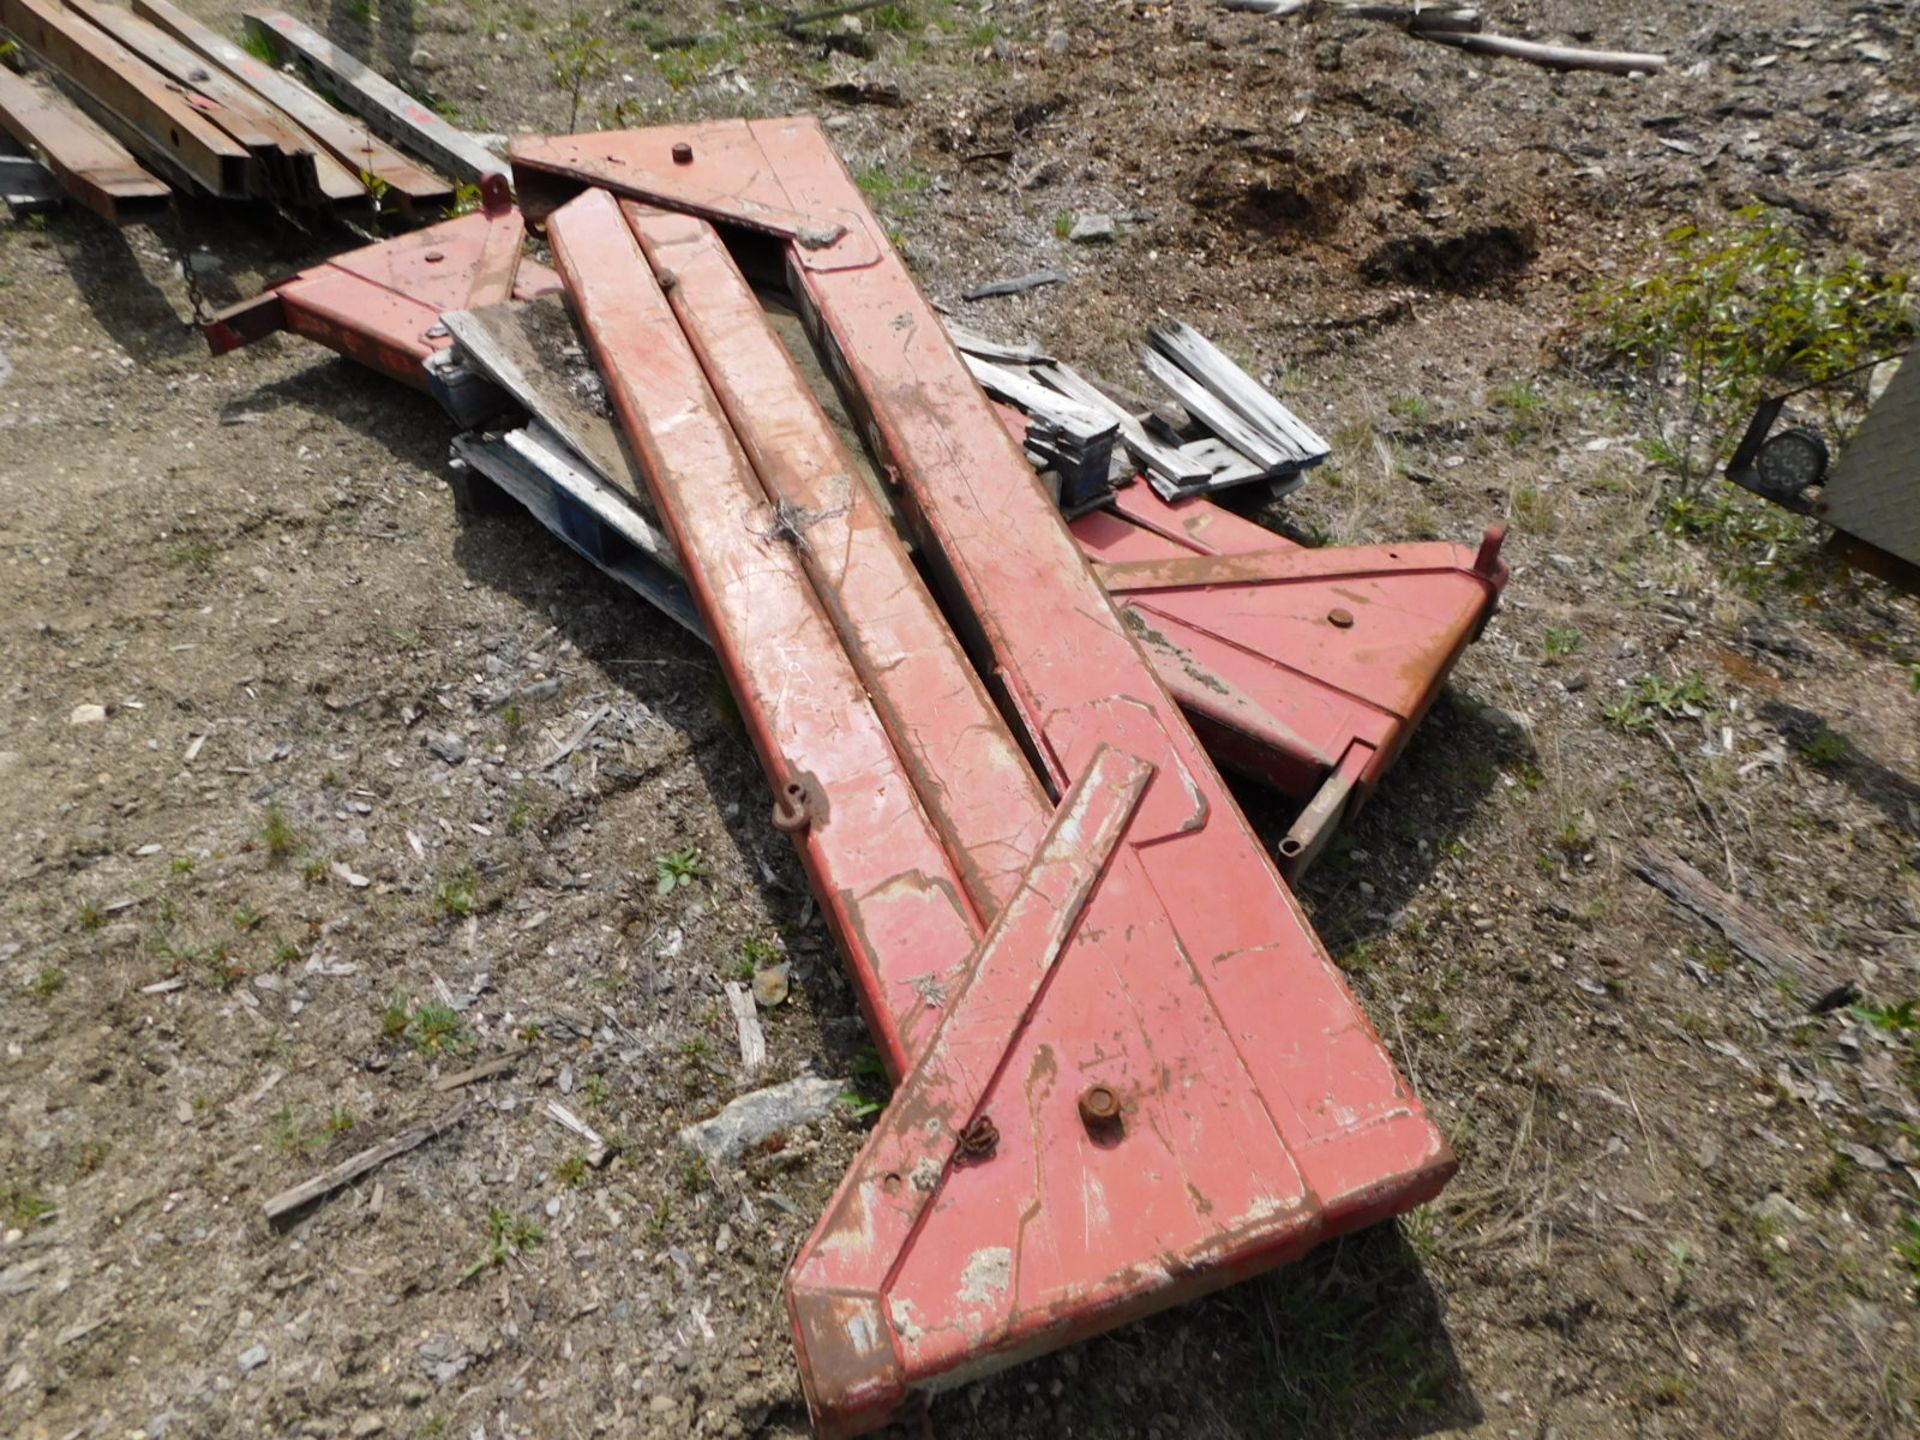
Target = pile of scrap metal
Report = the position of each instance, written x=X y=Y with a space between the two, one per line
x=1128 y=1072
x=140 y=103
x=1246 y=434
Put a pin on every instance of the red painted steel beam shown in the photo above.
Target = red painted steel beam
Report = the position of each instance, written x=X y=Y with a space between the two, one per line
x=381 y=304
x=977 y=787
x=1259 y=1111
x=886 y=883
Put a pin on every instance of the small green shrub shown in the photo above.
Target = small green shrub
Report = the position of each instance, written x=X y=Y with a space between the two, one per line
x=1721 y=319
x=1655 y=699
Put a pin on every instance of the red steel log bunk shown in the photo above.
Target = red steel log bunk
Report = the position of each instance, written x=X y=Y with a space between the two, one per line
x=1129 y=1071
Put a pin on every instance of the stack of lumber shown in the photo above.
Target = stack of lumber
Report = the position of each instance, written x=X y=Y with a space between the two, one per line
x=130 y=106
x=1071 y=440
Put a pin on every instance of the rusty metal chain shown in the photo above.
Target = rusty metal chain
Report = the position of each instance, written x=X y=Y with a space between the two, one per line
x=175 y=232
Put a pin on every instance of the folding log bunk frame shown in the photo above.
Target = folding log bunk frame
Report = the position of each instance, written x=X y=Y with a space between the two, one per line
x=1129 y=1071
x=381 y=304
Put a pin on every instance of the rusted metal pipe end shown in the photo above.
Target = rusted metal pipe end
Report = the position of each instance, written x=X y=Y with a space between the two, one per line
x=1340 y=619
x=1100 y=1109
x=683 y=153
x=1488 y=560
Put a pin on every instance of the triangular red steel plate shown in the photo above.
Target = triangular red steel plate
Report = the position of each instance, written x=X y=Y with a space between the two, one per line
x=1286 y=656
x=381 y=304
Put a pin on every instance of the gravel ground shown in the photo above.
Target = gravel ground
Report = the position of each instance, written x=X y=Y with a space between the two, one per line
x=319 y=852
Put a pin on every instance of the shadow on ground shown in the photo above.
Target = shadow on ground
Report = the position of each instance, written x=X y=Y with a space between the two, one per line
x=1379 y=861
x=1351 y=1340
x=1895 y=795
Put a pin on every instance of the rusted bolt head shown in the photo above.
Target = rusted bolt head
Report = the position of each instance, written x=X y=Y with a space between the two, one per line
x=683 y=154
x=1099 y=1107
x=1342 y=619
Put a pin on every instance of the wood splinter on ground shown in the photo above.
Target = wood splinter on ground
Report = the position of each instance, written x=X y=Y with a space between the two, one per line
x=598 y=1151
x=290 y=1202
x=485 y=1070
x=746 y=1018
x=1753 y=934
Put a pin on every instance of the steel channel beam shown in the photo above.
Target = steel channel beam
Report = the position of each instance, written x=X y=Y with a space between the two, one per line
x=292 y=168
x=94 y=168
x=1191 y=958
x=378 y=101
x=357 y=149
x=975 y=783
x=884 y=878
x=120 y=81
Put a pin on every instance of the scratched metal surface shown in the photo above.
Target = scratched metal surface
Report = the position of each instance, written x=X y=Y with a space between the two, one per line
x=967 y=770
x=884 y=879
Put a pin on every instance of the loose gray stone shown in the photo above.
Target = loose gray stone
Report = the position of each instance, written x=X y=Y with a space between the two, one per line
x=449 y=747
x=1093 y=230
x=753 y=1118
x=252 y=1358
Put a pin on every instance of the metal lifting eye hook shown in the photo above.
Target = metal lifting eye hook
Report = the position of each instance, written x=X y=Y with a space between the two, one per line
x=791 y=813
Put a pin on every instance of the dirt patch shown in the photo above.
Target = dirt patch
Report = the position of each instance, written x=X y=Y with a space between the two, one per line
x=1477 y=258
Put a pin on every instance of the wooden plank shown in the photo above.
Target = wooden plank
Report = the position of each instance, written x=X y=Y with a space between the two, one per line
x=155 y=108
x=93 y=167
x=358 y=150
x=296 y=169
x=1212 y=367
x=1167 y=469
x=382 y=104
x=997 y=351
x=1219 y=417
x=290 y=1202
x=1815 y=979
x=1083 y=422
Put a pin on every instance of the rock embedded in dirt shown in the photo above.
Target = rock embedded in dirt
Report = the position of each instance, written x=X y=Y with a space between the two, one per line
x=88 y=715
x=754 y=1118
x=449 y=747
x=1093 y=229
x=1777 y=1209
x=251 y=1359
